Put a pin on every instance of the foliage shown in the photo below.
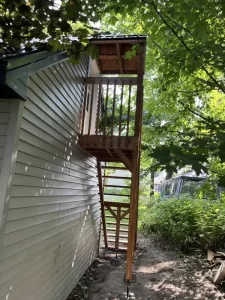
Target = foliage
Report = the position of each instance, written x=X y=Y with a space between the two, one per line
x=184 y=120
x=187 y=223
x=207 y=190
x=62 y=25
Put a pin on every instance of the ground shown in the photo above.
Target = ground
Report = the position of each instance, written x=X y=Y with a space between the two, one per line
x=161 y=274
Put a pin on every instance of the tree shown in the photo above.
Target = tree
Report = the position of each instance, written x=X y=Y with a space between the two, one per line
x=184 y=120
x=61 y=25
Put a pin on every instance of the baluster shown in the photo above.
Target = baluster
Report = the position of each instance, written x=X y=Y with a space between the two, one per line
x=114 y=104
x=121 y=110
x=90 y=112
x=99 y=104
x=106 y=107
x=84 y=109
x=128 y=113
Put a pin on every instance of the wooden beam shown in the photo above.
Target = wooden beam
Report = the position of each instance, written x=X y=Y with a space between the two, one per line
x=116 y=204
x=109 y=152
x=110 y=57
x=124 y=214
x=133 y=215
x=124 y=158
x=118 y=51
x=111 y=80
x=102 y=142
x=102 y=202
x=119 y=41
x=111 y=211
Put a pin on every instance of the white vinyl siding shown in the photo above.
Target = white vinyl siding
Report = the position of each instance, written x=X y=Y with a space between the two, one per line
x=5 y=106
x=52 y=230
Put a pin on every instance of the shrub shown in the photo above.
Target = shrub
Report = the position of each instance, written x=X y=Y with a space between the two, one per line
x=187 y=223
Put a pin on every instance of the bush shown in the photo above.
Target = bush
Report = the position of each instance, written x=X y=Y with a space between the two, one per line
x=187 y=223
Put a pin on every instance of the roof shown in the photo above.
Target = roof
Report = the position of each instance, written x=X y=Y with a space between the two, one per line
x=112 y=37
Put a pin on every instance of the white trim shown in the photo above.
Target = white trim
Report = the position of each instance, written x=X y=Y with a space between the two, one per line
x=9 y=160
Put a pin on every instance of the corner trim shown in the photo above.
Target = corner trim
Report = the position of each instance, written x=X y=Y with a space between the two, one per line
x=9 y=162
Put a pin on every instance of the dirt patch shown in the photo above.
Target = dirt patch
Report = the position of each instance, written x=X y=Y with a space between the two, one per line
x=161 y=275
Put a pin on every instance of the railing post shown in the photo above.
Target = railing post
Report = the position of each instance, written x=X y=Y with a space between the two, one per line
x=91 y=108
x=84 y=109
x=139 y=106
x=98 y=108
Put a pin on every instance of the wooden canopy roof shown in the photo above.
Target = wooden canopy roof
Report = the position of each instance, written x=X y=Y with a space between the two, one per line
x=112 y=51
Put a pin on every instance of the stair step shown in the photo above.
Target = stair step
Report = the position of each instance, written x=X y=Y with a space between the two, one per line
x=114 y=223
x=114 y=168
x=118 y=186
x=109 y=194
x=120 y=236
x=113 y=248
x=114 y=229
x=116 y=177
x=113 y=241
x=110 y=216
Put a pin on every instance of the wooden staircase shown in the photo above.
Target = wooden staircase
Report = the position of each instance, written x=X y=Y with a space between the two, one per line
x=111 y=132
x=115 y=223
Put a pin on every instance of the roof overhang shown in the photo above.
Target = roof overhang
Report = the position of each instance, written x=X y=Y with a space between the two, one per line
x=112 y=51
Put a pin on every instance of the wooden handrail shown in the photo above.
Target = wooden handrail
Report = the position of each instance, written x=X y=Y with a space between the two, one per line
x=111 y=80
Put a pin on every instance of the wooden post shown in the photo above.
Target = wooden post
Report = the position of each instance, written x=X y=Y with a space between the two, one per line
x=102 y=202
x=117 y=227
x=133 y=214
x=137 y=199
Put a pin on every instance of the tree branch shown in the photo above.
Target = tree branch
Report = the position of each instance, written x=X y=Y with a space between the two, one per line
x=190 y=92
x=195 y=113
x=222 y=88
x=157 y=45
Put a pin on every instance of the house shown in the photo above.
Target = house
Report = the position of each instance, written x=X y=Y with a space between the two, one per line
x=51 y=194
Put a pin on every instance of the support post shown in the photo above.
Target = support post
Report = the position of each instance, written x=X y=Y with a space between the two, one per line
x=133 y=215
x=102 y=202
